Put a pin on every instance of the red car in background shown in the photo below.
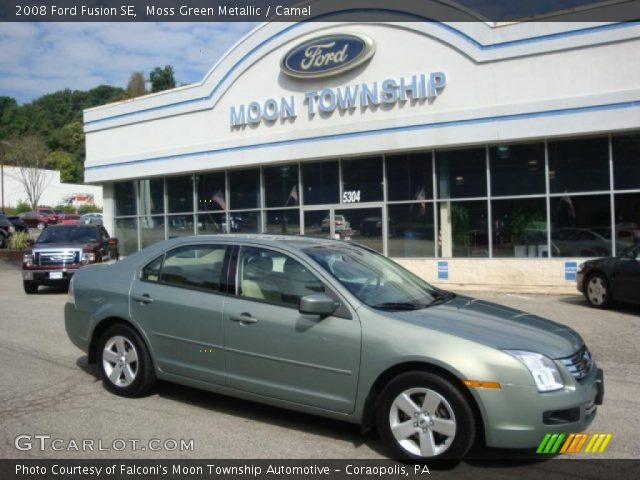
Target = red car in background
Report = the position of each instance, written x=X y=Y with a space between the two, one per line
x=50 y=215
x=34 y=219
x=69 y=218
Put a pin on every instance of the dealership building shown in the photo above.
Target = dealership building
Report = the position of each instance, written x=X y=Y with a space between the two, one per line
x=475 y=154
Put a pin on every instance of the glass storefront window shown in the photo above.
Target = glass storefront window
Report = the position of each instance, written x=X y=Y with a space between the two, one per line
x=362 y=180
x=626 y=161
x=519 y=228
x=321 y=183
x=411 y=230
x=283 y=222
x=125 y=199
x=244 y=189
x=579 y=165
x=180 y=194
x=151 y=194
x=409 y=176
x=627 y=221
x=581 y=226
x=180 y=225
x=317 y=223
x=517 y=169
x=126 y=232
x=462 y=173
x=362 y=225
x=463 y=229
x=212 y=223
x=151 y=229
x=245 y=222
x=211 y=192
x=281 y=186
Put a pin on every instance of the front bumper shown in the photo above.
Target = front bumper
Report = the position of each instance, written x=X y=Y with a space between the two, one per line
x=49 y=277
x=520 y=416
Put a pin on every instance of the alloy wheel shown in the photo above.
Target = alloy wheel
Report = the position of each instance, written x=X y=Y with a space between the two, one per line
x=120 y=361
x=422 y=422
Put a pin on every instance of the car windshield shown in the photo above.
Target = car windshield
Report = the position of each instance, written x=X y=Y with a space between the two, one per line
x=62 y=235
x=374 y=279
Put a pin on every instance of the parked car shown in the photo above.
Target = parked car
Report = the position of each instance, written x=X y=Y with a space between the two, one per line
x=341 y=224
x=334 y=329
x=91 y=218
x=69 y=218
x=604 y=281
x=6 y=230
x=49 y=214
x=34 y=219
x=61 y=250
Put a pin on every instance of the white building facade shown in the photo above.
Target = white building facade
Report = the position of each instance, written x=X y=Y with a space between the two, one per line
x=476 y=155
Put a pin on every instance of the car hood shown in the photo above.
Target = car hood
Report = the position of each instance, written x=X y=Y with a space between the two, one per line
x=63 y=245
x=496 y=326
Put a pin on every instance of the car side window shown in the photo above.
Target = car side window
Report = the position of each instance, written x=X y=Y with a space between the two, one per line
x=193 y=266
x=274 y=277
x=151 y=272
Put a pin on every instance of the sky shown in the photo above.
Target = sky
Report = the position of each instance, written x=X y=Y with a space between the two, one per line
x=39 y=58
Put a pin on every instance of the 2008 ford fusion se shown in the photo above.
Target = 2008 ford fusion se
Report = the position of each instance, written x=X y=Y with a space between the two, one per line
x=333 y=329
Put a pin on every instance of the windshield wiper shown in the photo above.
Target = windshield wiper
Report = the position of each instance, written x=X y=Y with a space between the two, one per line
x=398 y=306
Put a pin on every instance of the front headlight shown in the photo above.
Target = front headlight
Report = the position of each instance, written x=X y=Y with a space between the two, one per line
x=581 y=267
x=27 y=260
x=88 y=257
x=545 y=373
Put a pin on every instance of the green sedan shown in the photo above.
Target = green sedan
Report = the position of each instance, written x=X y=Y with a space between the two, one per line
x=333 y=329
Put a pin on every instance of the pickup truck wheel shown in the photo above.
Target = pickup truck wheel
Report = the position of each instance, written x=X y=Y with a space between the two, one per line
x=421 y=416
x=30 y=287
x=125 y=364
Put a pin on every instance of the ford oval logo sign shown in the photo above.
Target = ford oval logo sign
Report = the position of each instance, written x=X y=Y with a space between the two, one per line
x=327 y=55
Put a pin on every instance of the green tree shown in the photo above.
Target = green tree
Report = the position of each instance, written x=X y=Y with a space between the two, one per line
x=162 y=78
x=137 y=85
x=66 y=165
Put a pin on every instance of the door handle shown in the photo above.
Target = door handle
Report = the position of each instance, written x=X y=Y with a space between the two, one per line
x=244 y=318
x=144 y=298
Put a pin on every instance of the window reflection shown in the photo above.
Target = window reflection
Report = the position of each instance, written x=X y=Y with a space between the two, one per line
x=281 y=186
x=212 y=223
x=579 y=165
x=409 y=176
x=362 y=225
x=211 y=192
x=320 y=181
x=517 y=169
x=411 y=232
x=244 y=188
x=283 y=222
x=151 y=230
x=180 y=225
x=125 y=198
x=463 y=229
x=627 y=223
x=580 y=226
x=180 y=194
x=462 y=173
x=362 y=180
x=126 y=232
x=316 y=223
x=151 y=194
x=626 y=161
x=519 y=228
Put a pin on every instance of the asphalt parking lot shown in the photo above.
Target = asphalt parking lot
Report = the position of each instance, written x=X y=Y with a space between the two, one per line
x=47 y=387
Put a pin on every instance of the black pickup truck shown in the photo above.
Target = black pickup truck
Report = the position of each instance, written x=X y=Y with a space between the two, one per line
x=61 y=250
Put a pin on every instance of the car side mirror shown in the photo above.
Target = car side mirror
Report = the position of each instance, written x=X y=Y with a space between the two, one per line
x=317 y=304
x=113 y=241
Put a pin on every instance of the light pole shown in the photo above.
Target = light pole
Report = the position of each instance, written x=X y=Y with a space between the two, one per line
x=8 y=144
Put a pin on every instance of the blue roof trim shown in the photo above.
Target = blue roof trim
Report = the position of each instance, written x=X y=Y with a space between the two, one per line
x=379 y=131
x=449 y=28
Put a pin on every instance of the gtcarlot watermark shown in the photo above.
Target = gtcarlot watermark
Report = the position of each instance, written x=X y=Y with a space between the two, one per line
x=44 y=442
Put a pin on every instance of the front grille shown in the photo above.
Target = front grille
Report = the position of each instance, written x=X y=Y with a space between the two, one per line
x=57 y=257
x=579 y=364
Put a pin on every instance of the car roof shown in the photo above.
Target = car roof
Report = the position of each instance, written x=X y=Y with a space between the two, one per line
x=74 y=225
x=296 y=242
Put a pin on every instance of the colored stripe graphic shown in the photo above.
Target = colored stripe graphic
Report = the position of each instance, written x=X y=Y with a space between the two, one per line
x=573 y=443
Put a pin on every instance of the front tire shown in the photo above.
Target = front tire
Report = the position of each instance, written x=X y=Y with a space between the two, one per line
x=421 y=416
x=597 y=291
x=125 y=364
x=30 y=288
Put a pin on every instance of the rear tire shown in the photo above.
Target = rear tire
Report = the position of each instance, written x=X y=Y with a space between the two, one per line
x=30 y=288
x=422 y=416
x=597 y=291
x=124 y=361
